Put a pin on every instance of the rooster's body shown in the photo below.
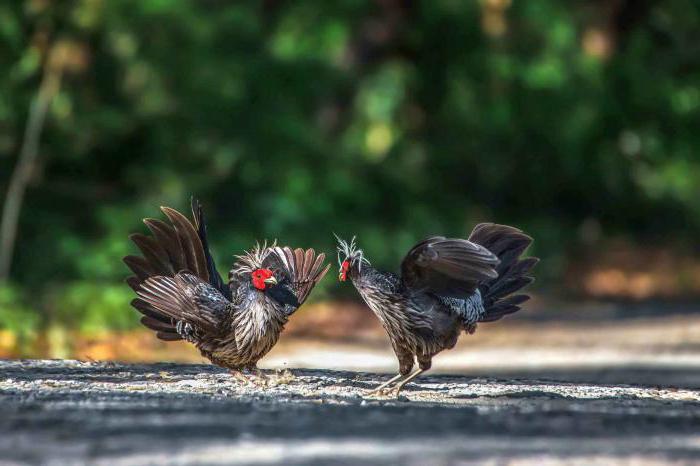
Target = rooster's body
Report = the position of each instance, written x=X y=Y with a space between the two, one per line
x=183 y=297
x=446 y=286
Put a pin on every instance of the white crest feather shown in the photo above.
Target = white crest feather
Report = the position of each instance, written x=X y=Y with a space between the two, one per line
x=351 y=252
x=253 y=259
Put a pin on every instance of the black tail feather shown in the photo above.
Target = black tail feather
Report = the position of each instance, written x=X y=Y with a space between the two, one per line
x=199 y=223
x=508 y=244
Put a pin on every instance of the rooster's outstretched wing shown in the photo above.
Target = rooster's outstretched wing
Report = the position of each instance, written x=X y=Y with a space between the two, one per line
x=448 y=267
x=302 y=269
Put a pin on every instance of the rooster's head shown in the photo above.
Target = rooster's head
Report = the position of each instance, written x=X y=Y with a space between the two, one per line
x=350 y=259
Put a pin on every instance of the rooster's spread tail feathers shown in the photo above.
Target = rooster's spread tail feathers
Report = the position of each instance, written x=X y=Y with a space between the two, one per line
x=170 y=249
x=508 y=244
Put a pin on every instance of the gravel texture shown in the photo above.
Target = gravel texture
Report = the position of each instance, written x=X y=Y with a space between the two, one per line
x=71 y=412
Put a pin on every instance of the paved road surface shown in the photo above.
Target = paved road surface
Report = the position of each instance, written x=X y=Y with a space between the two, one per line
x=69 y=412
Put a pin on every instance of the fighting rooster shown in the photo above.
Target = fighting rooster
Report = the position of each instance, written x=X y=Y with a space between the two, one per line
x=446 y=286
x=182 y=296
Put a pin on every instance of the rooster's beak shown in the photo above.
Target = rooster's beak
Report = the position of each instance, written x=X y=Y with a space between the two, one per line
x=271 y=281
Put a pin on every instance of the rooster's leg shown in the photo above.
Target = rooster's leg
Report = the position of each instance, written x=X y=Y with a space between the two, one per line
x=424 y=363
x=238 y=375
x=406 y=362
x=400 y=385
x=254 y=376
x=261 y=379
x=381 y=388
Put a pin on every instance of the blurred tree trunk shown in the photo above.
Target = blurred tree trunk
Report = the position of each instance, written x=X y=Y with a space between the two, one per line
x=26 y=162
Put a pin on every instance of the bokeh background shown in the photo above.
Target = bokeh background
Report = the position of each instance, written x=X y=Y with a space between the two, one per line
x=576 y=121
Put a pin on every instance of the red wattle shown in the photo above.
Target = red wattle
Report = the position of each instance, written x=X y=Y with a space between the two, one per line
x=344 y=270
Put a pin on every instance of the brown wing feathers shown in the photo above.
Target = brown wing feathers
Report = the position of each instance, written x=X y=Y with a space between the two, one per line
x=166 y=237
x=140 y=266
x=170 y=249
x=190 y=243
x=153 y=253
x=174 y=297
x=448 y=266
x=304 y=268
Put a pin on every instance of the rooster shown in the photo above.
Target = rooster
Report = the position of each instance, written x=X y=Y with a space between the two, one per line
x=446 y=285
x=182 y=296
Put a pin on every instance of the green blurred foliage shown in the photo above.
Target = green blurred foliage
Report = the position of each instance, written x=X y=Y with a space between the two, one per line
x=389 y=120
x=91 y=306
x=18 y=317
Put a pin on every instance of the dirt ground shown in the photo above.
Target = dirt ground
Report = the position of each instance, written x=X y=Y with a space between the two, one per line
x=71 y=412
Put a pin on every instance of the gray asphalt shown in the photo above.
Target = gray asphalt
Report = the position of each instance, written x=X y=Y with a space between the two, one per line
x=70 y=412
